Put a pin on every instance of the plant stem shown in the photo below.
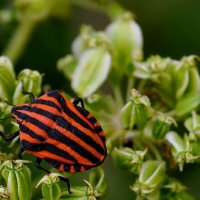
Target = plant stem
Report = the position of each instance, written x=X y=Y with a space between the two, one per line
x=154 y=150
x=118 y=96
x=19 y=39
x=89 y=5
x=129 y=87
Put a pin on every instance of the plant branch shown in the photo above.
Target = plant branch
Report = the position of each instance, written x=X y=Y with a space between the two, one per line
x=19 y=39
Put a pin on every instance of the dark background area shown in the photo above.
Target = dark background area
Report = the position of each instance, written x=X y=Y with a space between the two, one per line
x=170 y=28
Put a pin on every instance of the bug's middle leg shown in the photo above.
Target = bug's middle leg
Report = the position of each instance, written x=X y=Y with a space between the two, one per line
x=38 y=165
x=10 y=137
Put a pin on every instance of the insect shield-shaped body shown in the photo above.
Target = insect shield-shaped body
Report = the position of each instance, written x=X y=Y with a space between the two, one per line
x=61 y=132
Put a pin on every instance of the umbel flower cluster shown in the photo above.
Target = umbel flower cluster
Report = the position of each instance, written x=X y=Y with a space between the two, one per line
x=148 y=109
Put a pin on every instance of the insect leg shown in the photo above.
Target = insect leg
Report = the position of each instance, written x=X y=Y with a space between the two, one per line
x=37 y=164
x=21 y=151
x=10 y=137
x=66 y=180
x=77 y=100
x=31 y=96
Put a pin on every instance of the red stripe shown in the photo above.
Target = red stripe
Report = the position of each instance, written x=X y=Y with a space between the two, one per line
x=64 y=147
x=80 y=142
x=36 y=129
x=46 y=154
x=67 y=133
x=25 y=136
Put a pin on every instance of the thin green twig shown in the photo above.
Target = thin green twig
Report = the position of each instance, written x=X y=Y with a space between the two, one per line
x=89 y=5
x=19 y=40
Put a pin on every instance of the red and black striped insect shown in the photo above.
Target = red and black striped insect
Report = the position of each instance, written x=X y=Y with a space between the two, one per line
x=60 y=132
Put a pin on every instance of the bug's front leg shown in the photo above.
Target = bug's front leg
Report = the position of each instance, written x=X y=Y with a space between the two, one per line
x=31 y=96
x=77 y=101
x=38 y=165
x=10 y=137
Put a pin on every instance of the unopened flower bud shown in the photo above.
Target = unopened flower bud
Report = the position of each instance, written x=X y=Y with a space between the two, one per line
x=136 y=111
x=91 y=72
x=161 y=125
x=7 y=79
x=31 y=81
x=181 y=149
x=50 y=186
x=151 y=178
x=126 y=39
x=128 y=159
x=18 y=179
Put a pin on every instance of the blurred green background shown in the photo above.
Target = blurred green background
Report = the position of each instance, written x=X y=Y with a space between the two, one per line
x=170 y=28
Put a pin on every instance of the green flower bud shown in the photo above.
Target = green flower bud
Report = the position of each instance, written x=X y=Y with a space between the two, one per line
x=98 y=182
x=91 y=72
x=7 y=79
x=181 y=149
x=50 y=186
x=187 y=79
x=187 y=104
x=67 y=65
x=151 y=178
x=161 y=125
x=193 y=126
x=96 y=188
x=4 y=193
x=31 y=80
x=128 y=159
x=82 y=42
x=194 y=77
x=126 y=39
x=136 y=111
x=18 y=179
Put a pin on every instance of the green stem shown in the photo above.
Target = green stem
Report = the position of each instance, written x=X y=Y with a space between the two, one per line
x=129 y=87
x=19 y=39
x=89 y=5
x=118 y=96
x=154 y=150
x=142 y=84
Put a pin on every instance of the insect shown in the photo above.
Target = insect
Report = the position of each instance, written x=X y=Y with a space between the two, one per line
x=59 y=131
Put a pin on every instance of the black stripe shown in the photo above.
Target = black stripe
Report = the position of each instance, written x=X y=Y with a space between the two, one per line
x=66 y=167
x=77 y=167
x=92 y=120
x=50 y=148
x=53 y=162
x=48 y=103
x=62 y=122
x=98 y=129
x=55 y=134
x=26 y=130
x=82 y=111
x=67 y=111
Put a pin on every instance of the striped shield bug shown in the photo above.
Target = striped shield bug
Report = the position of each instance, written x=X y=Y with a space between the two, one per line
x=59 y=131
